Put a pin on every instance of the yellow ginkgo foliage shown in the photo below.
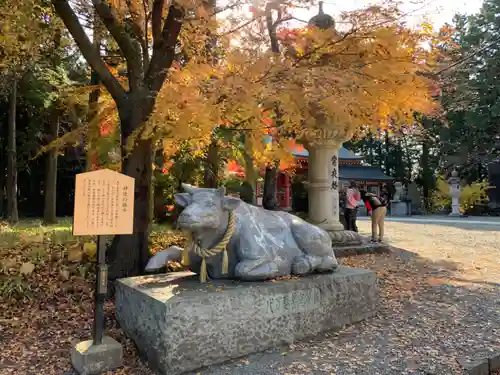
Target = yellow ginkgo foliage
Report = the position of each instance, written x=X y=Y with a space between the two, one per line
x=25 y=28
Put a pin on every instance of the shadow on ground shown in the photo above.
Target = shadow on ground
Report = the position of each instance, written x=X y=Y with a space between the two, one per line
x=432 y=314
x=430 y=319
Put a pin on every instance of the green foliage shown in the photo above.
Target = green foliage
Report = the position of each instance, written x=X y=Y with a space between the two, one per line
x=470 y=94
x=470 y=195
x=473 y=194
x=440 y=199
x=183 y=166
x=15 y=288
x=395 y=151
x=44 y=85
x=247 y=192
x=465 y=134
x=232 y=185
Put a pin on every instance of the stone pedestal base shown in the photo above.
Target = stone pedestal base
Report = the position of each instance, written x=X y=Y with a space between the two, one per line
x=455 y=207
x=88 y=359
x=367 y=248
x=332 y=226
x=399 y=208
x=180 y=325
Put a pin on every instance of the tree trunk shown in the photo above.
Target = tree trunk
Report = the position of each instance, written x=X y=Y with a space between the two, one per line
x=3 y=165
x=380 y=154
x=152 y=190
x=250 y=172
x=129 y=254
x=92 y=134
x=12 y=213
x=211 y=172
x=371 y=158
x=158 y=198
x=50 y=188
x=388 y=165
x=269 y=198
x=426 y=188
x=2 y=188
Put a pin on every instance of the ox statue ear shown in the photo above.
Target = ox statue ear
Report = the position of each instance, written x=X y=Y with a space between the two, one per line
x=188 y=188
x=230 y=203
x=183 y=199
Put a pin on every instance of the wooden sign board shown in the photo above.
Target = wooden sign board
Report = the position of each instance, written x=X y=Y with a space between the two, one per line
x=104 y=203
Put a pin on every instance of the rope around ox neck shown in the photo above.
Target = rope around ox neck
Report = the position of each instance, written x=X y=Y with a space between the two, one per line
x=206 y=253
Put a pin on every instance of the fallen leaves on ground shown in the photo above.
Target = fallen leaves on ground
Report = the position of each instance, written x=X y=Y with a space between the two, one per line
x=47 y=299
x=431 y=313
x=436 y=309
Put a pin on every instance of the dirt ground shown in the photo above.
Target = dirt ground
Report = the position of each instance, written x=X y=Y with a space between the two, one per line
x=440 y=304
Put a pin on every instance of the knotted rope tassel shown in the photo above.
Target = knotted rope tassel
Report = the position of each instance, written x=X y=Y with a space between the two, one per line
x=206 y=253
x=185 y=252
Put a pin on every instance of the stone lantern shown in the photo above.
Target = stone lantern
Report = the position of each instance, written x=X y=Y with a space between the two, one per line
x=454 y=182
x=323 y=144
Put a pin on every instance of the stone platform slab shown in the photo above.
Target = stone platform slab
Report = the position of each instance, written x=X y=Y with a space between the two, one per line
x=180 y=325
x=368 y=248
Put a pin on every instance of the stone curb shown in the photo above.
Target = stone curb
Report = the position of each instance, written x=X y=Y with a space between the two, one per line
x=481 y=365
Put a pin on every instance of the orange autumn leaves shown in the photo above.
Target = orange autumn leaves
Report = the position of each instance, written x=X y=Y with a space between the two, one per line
x=367 y=74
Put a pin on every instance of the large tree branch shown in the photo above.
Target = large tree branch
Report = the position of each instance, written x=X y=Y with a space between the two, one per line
x=164 y=49
x=145 y=43
x=90 y=53
x=156 y=20
x=125 y=41
x=139 y=28
x=271 y=27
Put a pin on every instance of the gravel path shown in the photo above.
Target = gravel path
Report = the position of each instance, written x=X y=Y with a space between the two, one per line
x=440 y=305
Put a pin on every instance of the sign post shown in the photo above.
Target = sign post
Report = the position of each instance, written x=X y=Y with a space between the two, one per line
x=104 y=205
x=101 y=289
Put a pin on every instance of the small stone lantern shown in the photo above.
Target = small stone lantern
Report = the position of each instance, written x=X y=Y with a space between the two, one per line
x=454 y=182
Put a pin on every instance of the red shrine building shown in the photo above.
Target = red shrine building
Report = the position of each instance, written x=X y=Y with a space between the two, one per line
x=351 y=168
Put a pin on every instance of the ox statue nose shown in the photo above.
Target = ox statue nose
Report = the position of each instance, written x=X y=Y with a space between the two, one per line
x=185 y=219
x=190 y=218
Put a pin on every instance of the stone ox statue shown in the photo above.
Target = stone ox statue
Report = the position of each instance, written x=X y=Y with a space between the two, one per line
x=235 y=240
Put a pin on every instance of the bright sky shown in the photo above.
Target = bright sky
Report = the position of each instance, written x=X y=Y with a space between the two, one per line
x=436 y=12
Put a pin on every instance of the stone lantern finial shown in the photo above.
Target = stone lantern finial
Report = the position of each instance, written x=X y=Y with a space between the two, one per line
x=322 y=20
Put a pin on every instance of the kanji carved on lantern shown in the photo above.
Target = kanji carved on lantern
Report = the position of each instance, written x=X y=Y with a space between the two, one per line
x=323 y=145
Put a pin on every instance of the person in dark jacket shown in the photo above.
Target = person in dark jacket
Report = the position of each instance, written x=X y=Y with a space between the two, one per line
x=378 y=209
x=385 y=194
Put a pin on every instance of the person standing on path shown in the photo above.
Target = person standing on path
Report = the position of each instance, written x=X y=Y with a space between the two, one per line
x=378 y=210
x=386 y=198
x=351 y=207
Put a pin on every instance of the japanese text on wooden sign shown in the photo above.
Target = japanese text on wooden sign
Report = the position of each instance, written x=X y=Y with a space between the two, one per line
x=104 y=203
